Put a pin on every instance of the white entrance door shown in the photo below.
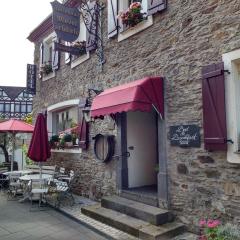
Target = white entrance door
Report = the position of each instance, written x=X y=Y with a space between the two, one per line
x=142 y=145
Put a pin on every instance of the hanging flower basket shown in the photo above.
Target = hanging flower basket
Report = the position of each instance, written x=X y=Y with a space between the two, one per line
x=133 y=15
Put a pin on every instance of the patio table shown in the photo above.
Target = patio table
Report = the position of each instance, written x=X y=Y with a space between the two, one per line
x=26 y=179
x=22 y=172
x=36 y=176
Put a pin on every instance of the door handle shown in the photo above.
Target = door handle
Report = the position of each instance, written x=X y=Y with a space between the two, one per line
x=131 y=147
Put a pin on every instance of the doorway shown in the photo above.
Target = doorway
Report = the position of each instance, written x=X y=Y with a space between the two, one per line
x=141 y=136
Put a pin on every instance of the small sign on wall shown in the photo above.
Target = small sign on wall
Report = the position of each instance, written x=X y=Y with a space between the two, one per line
x=185 y=136
x=31 y=78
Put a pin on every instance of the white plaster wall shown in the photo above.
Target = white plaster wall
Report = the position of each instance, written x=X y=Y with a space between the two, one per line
x=142 y=135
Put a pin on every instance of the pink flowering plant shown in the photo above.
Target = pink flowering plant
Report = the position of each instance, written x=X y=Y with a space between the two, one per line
x=133 y=15
x=209 y=229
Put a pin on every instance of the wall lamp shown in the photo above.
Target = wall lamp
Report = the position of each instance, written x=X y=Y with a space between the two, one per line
x=86 y=110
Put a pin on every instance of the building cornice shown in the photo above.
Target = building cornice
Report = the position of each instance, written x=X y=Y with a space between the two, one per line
x=46 y=26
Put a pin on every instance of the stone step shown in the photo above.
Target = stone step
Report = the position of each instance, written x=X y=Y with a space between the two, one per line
x=186 y=236
x=153 y=215
x=140 y=197
x=133 y=226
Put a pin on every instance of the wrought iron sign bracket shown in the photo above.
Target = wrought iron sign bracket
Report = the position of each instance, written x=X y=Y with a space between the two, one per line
x=92 y=18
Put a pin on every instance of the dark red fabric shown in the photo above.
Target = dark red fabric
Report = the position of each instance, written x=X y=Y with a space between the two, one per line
x=16 y=126
x=139 y=95
x=39 y=149
x=214 y=109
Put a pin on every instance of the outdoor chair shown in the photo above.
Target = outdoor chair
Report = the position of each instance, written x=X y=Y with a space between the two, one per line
x=15 y=187
x=38 y=190
x=3 y=179
x=67 y=178
x=33 y=168
x=51 y=170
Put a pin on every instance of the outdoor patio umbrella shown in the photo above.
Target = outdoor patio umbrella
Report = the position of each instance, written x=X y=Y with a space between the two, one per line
x=15 y=126
x=39 y=149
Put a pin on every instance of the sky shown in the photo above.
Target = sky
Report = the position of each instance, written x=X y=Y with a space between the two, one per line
x=17 y=20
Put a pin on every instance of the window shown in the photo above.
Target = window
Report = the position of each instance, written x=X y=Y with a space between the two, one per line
x=7 y=107
x=29 y=108
x=138 y=23
x=232 y=84
x=1 y=107
x=76 y=60
x=49 y=58
x=17 y=107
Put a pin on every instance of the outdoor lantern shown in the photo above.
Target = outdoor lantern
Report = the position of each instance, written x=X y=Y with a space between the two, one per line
x=86 y=114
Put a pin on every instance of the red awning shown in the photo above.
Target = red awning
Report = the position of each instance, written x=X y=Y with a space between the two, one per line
x=140 y=95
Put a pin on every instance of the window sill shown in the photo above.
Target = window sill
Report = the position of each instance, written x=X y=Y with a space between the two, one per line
x=76 y=150
x=49 y=76
x=80 y=60
x=134 y=30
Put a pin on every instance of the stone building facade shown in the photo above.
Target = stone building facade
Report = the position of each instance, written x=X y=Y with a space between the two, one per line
x=182 y=39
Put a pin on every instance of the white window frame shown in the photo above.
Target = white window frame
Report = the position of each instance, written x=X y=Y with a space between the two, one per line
x=232 y=94
x=123 y=5
x=46 y=42
x=56 y=107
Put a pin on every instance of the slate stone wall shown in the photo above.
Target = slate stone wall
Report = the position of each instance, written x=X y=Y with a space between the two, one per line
x=183 y=39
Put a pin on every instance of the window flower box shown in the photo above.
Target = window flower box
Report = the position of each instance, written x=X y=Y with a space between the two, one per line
x=81 y=45
x=46 y=69
x=133 y=15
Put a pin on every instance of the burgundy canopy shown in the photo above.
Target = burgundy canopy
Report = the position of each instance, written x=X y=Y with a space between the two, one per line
x=140 y=95
x=39 y=149
x=16 y=126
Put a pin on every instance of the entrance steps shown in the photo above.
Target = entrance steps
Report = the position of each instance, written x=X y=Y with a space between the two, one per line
x=138 y=219
x=149 y=199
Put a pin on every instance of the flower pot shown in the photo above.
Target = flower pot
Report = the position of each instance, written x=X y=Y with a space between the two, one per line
x=68 y=144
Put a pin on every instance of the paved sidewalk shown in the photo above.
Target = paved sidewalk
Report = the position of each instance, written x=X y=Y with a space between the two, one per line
x=18 y=223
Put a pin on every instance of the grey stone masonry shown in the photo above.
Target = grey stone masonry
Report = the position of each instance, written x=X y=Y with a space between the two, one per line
x=184 y=38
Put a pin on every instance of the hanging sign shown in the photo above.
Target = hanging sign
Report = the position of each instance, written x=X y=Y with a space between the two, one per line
x=72 y=50
x=66 y=21
x=185 y=136
x=31 y=78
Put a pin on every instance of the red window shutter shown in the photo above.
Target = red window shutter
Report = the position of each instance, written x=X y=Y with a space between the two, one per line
x=91 y=22
x=214 y=109
x=83 y=127
x=156 y=6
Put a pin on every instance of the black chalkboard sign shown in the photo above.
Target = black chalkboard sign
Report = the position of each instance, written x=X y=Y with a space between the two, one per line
x=185 y=136
x=31 y=78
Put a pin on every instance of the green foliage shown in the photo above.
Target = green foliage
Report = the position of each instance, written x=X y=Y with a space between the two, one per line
x=228 y=232
x=67 y=138
x=29 y=118
x=54 y=138
x=27 y=159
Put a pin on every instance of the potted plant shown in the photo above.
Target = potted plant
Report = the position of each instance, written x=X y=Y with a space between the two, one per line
x=133 y=15
x=46 y=68
x=68 y=140
x=54 y=141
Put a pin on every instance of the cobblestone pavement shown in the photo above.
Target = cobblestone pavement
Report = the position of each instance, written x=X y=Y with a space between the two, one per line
x=17 y=222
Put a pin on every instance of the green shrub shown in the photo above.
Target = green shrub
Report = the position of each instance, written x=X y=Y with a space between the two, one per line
x=68 y=138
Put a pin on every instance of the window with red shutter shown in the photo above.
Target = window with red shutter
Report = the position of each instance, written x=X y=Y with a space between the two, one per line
x=214 y=109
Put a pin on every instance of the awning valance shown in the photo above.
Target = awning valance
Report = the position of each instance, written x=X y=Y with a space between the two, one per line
x=140 y=95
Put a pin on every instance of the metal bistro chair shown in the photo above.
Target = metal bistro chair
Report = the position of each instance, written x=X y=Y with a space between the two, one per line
x=64 y=189
x=3 y=179
x=38 y=190
x=15 y=186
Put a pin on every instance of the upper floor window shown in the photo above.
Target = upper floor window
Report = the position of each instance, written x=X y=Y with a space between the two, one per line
x=81 y=44
x=128 y=17
x=49 y=58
